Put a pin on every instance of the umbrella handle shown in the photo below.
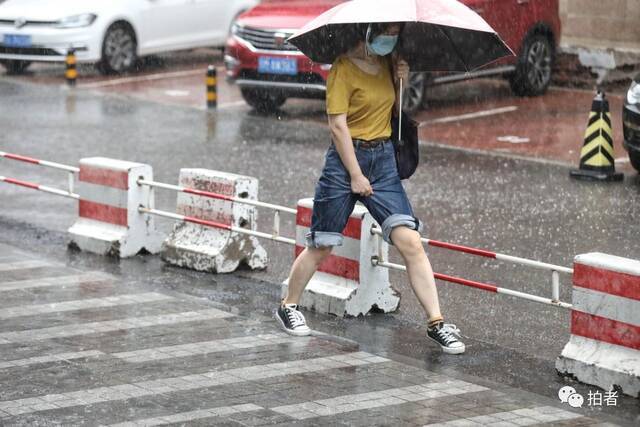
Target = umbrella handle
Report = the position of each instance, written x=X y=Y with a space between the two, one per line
x=400 y=114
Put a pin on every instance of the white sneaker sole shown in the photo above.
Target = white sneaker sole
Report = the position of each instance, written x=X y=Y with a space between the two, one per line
x=290 y=331
x=449 y=350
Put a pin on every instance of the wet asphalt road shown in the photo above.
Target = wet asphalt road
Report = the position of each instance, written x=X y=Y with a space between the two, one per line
x=518 y=207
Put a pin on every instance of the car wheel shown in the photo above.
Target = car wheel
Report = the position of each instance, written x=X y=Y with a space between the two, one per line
x=413 y=94
x=263 y=101
x=634 y=158
x=533 y=69
x=119 y=50
x=16 y=67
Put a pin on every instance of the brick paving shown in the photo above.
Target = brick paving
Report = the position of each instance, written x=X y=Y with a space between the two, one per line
x=82 y=348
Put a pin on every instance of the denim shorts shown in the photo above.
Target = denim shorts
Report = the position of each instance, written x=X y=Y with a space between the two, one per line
x=333 y=201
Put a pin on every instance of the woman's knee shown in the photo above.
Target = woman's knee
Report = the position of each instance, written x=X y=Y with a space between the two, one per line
x=408 y=241
x=319 y=254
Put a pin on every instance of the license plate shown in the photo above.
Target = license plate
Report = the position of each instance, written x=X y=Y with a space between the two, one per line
x=16 y=40
x=277 y=65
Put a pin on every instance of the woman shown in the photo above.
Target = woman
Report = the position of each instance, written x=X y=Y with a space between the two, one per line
x=360 y=166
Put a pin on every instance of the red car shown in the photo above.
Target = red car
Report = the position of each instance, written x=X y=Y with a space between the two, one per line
x=268 y=70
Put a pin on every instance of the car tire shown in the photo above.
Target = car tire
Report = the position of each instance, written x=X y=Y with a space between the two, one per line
x=634 y=158
x=16 y=66
x=533 y=68
x=119 y=49
x=263 y=101
x=413 y=94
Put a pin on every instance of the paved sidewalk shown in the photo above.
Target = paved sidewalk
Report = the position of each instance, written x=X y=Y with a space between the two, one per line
x=84 y=348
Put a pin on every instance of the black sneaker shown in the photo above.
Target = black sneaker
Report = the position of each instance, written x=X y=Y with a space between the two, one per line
x=445 y=335
x=291 y=320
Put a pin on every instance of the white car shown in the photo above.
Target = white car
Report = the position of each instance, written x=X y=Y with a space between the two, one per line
x=111 y=33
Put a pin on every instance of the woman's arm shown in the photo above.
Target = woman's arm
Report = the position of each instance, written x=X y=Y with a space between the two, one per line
x=344 y=144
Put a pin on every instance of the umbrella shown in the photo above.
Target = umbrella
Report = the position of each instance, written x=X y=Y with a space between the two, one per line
x=438 y=35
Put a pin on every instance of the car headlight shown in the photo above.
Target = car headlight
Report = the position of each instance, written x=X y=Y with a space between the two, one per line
x=633 y=96
x=234 y=29
x=76 y=21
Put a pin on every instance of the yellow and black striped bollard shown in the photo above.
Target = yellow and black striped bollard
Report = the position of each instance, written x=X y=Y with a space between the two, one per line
x=212 y=91
x=71 y=73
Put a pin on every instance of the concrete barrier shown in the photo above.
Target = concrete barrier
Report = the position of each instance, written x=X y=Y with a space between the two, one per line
x=604 y=348
x=210 y=249
x=347 y=283
x=108 y=219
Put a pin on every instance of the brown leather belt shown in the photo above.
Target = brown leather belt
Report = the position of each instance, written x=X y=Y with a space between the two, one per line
x=361 y=143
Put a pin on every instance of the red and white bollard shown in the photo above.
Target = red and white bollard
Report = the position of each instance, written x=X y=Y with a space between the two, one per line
x=215 y=249
x=604 y=348
x=109 y=222
x=347 y=282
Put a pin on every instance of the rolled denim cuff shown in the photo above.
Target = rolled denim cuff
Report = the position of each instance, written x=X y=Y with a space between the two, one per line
x=323 y=239
x=396 y=220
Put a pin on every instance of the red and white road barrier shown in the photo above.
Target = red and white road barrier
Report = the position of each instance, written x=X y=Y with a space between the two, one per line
x=220 y=250
x=109 y=221
x=336 y=287
x=72 y=170
x=604 y=347
x=380 y=260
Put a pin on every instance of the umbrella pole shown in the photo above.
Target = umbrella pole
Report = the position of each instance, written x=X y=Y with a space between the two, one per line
x=400 y=114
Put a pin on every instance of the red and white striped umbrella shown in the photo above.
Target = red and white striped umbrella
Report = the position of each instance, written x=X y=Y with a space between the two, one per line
x=438 y=35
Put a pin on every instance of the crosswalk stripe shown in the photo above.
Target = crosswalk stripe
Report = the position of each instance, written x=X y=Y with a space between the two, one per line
x=182 y=417
x=112 y=301
x=377 y=399
x=186 y=382
x=49 y=358
x=70 y=280
x=168 y=352
x=23 y=265
x=523 y=417
x=206 y=347
x=110 y=325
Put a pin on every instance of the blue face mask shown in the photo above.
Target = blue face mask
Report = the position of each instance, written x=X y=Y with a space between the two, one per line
x=383 y=44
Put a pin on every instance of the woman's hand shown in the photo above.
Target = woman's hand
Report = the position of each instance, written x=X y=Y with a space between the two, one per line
x=402 y=70
x=360 y=185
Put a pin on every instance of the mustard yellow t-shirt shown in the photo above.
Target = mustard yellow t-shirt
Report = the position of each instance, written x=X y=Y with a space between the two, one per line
x=367 y=99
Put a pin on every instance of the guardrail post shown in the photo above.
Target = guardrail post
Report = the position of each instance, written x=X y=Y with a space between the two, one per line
x=211 y=249
x=604 y=347
x=71 y=73
x=336 y=287
x=109 y=222
x=212 y=87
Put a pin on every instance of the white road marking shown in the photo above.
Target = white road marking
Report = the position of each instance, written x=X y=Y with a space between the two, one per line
x=49 y=358
x=22 y=265
x=206 y=347
x=146 y=78
x=187 y=382
x=74 y=279
x=182 y=417
x=83 y=304
x=523 y=417
x=73 y=330
x=377 y=399
x=469 y=116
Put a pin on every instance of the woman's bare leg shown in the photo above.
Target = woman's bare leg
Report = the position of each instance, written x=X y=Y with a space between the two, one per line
x=418 y=268
x=302 y=270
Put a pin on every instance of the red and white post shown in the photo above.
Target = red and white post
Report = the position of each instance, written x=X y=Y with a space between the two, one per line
x=109 y=222
x=217 y=250
x=604 y=348
x=347 y=282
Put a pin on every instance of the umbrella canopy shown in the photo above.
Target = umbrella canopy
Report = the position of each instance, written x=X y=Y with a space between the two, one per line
x=438 y=35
